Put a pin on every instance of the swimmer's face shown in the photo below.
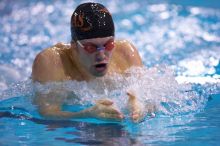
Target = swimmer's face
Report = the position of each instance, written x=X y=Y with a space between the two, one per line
x=95 y=54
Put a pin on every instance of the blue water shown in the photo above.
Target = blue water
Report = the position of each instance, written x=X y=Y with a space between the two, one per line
x=179 y=44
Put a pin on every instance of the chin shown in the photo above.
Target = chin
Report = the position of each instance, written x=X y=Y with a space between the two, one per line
x=99 y=74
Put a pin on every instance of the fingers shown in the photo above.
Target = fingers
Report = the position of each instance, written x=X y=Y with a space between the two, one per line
x=137 y=116
x=105 y=110
x=131 y=96
x=104 y=102
x=109 y=109
x=109 y=116
x=112 y=110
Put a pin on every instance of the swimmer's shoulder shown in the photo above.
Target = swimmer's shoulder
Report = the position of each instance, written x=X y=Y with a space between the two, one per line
x=124 y=46
x=128 y=51
x=47 y=65
x=53 y=51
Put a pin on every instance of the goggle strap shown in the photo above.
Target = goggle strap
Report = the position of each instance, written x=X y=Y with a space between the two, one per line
x=81 y=45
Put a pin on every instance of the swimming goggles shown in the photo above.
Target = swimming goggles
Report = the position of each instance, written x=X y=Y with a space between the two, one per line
x=91 y=48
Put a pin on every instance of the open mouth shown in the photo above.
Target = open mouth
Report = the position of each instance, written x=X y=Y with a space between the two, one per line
x=101 y=66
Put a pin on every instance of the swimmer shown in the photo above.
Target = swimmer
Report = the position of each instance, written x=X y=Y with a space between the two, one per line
x=93 y=52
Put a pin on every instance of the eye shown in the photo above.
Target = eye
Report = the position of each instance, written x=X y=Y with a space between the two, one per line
x=89 y=47
x=109 y=45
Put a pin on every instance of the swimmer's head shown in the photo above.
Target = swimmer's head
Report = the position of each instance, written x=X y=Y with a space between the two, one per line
x=91 y=20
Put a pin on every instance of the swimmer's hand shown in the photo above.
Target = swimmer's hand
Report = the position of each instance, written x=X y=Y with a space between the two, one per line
x=135 y=107
x=104 y=109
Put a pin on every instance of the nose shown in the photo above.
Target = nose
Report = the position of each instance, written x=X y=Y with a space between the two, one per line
x=100 y=55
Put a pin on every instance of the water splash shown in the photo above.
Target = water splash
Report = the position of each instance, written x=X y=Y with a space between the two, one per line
x=19 y=89
x=156 y=85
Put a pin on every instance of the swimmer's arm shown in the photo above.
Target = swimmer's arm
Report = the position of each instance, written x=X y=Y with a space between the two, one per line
x=55 y=112
x=103 y=109
x=50 y=106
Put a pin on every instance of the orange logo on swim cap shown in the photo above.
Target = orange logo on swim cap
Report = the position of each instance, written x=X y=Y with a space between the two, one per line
x=104 y=10
x=78 y=21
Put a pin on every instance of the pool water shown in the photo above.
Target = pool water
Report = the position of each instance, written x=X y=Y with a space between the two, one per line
x=179 y=44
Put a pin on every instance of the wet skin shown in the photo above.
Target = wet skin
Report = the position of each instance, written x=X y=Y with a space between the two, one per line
x=63 y=62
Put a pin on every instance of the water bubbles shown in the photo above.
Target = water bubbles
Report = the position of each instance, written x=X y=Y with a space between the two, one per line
x=187 y=39
x=155 y=87
x=195 y=10
x=129 y=7
x=209 y=37
x=164 y=15
x=158 y=8
x=3 y=86
x=126 y=23
x=139 y=19
x=22 y=123
x=158 y=30
x=200 y=64
x=49 y=9
x=38 y=8
x=8 y=75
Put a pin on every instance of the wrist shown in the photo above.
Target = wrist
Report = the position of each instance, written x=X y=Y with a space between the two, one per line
x=87 y=113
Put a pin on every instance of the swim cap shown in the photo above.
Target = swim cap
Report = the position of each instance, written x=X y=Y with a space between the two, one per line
x=91 y=20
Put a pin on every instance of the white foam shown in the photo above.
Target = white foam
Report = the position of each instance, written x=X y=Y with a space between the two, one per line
x=155 y=86
x=163 y=31
x=8 y=75
x=18 y=89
